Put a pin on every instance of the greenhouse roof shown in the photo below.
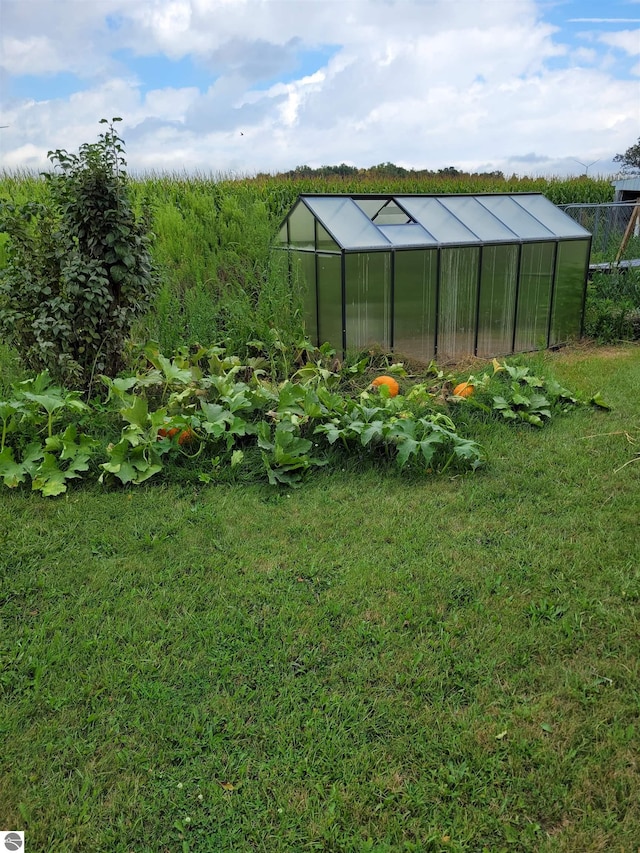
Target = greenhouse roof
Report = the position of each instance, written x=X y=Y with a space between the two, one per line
x=357 y=222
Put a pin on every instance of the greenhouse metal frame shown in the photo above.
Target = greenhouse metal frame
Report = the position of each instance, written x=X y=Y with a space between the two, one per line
x=443 y=276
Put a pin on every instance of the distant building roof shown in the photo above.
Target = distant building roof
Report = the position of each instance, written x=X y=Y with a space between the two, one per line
x=627 y=184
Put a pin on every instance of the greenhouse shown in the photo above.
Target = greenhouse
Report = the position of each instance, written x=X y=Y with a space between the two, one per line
x=442 y=276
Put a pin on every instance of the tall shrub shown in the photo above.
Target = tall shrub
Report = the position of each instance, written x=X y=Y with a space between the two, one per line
x=78 y=269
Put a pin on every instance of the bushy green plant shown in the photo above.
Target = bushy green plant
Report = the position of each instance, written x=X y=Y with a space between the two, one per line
x=31 y=448
x=77 y=266
x=609 y=321
x=613 y=306
x=618 y=286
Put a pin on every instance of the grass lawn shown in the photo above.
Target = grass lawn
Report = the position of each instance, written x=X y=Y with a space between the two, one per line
x=368 y=663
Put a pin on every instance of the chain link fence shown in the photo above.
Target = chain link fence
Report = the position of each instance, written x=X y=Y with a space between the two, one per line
x=607 y=223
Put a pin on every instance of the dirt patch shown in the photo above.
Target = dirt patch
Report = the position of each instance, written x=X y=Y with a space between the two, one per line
x=588 y=349
x=572 y=353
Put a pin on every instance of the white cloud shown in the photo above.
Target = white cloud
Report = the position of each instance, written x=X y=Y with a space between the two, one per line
x=626 y=40
x=32 y=55
x=170 y=104
x=422 y=84
x=51 y=36
x=25 y=157
x=166 y=25
x=604 y=20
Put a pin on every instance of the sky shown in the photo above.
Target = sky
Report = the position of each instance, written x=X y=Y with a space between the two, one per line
x=238 y=87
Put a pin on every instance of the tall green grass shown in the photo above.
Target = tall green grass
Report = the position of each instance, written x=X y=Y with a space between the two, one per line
x=221 y=283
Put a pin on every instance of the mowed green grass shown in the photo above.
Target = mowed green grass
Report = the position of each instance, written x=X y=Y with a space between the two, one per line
x=369 y=663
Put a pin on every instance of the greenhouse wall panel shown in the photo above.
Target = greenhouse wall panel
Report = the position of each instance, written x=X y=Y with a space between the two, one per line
x=303 y=268
x=534 y=296
x=414 y=313
x=368 y=299
x=496 y=312
x=302 y=228
x=330 y=300
x=324 y=241
x=457 y=302
x=571 y=269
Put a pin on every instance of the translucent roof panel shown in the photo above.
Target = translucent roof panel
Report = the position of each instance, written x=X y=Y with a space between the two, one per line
x=360 y=222
x=480 y=220
x=411 y=234
x=515 y=217
x=439 y=221
x=344 y=220
x=544 y=211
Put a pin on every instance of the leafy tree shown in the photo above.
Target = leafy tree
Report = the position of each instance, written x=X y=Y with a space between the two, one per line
x=78 y=269
x=630 y=159
x=389 y=170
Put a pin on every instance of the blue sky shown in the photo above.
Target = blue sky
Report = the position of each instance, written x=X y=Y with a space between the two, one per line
x=242 y=86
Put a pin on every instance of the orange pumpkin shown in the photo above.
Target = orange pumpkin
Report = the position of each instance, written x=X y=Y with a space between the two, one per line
x=390 y=382
x=464 y=389
x=167 y=433
x=187 y=436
